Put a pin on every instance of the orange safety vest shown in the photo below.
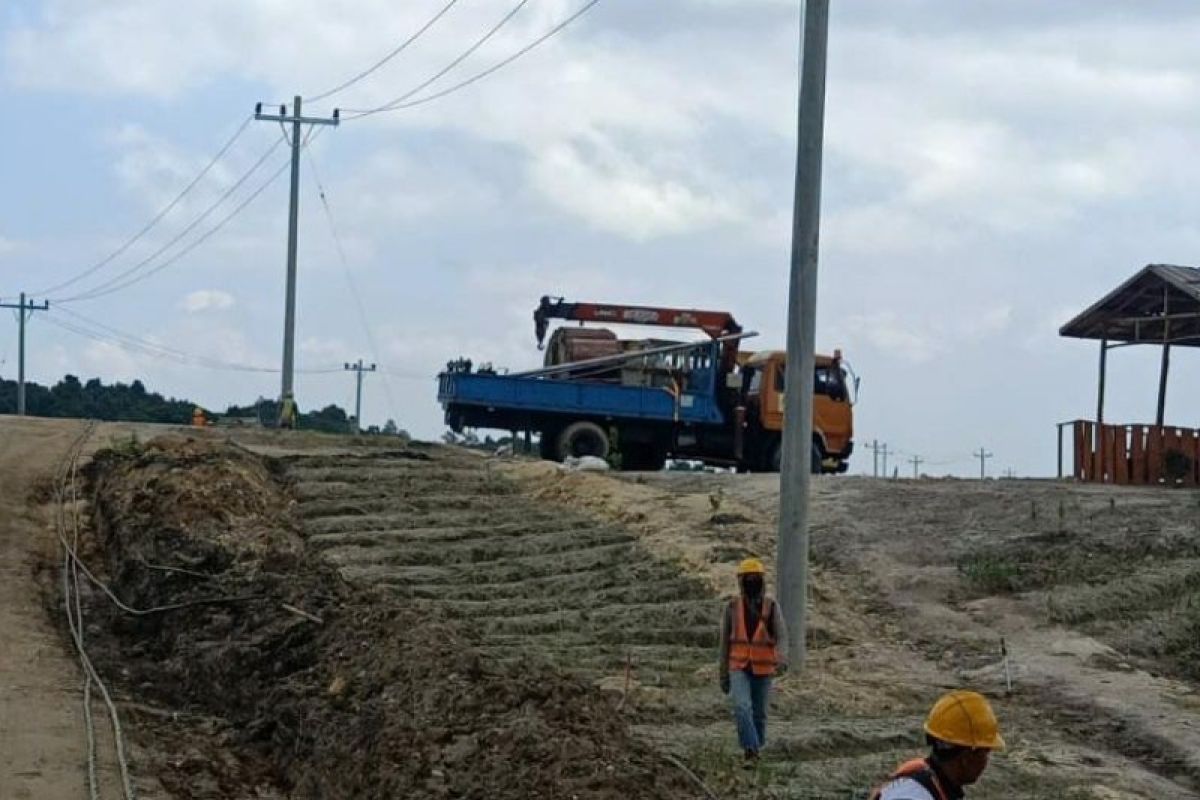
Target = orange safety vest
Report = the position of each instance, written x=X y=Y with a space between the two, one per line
x=918 y=770
x=758 y=651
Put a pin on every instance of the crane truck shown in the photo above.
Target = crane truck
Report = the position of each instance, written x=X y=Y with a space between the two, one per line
x=650 y=399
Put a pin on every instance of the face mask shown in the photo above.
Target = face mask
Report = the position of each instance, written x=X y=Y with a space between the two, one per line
x=752 y=585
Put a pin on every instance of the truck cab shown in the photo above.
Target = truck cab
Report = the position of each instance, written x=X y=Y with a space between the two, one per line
x=833 y=418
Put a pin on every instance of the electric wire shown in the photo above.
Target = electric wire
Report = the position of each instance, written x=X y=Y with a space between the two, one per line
x=128 y=278
x=157 y=218
x=463 y=56
x=68 y=472
x=358 y=301
x=494 y=68
x=98 y=331
x=346 y=84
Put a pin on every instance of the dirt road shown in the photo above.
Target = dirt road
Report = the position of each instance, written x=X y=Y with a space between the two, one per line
x=41 y=720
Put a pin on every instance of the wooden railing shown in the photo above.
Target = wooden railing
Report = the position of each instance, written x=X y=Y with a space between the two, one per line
x=1136 y=455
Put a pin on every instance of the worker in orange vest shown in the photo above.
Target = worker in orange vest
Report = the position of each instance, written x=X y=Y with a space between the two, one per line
x=962 y=731
x=753 y=651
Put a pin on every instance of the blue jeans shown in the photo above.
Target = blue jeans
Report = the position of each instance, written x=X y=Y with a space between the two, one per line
x=748 y=693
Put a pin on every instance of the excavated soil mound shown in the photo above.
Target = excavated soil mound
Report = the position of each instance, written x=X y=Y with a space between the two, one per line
x=290 y=680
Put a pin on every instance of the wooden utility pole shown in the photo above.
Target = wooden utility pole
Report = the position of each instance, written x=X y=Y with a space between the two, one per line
x=792 y=554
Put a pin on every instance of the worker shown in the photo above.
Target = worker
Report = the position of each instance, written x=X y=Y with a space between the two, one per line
x=198 y=419
x=287 y=412
x=753 y=651
x=962 y=732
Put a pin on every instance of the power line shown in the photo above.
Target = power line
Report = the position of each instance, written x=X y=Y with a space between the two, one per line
x=381 y=62
x=393 y=104
x=495 y=67
x=157 y=217
x=358 y=302
x=99 y=331
x=123 y=281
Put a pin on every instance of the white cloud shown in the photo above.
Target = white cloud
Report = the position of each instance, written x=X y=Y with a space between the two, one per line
x=207 y=300
x=612 y=192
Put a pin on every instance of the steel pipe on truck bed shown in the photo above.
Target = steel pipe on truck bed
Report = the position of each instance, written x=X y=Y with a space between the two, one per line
x=626 y=357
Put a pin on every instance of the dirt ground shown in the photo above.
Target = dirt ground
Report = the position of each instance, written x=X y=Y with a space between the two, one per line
x=571 y=620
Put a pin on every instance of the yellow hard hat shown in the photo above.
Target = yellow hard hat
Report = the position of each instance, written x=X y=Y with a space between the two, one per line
x=965 y=719
x=751 y=566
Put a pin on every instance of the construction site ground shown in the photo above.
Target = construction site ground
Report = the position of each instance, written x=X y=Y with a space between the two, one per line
x=366 y=618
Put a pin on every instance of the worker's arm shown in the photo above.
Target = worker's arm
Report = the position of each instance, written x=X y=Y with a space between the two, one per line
x=781 y=635
x=723 y=650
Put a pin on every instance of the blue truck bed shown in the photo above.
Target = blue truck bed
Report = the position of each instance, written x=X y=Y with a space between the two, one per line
x=579 y=398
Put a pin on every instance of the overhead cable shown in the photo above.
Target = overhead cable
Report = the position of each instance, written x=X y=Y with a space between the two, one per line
x=495 y=67
x=127 y=278
x=156 y=218
x=463 y=56
x=99 y=331
x=381 y=62
x=358 y=301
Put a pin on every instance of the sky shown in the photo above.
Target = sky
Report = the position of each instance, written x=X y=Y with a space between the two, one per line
x=991 y=168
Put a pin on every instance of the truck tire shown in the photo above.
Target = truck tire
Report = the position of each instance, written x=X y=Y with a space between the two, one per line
x=817 y=466
x=582 y=439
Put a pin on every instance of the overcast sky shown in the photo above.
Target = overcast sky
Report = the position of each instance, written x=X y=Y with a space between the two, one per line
x=991 y=168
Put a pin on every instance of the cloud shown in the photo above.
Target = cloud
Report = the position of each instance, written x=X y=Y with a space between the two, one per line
x=611 y=191
x=207 y=300
x=917 y=339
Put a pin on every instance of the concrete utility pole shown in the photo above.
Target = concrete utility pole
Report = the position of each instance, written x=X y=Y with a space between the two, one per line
x=289 y=313
x=360 y=369
x=916 y=461
x=24 y=311
x=792 y=555
x=983 y=455
x=875 y=461
x=884 y=452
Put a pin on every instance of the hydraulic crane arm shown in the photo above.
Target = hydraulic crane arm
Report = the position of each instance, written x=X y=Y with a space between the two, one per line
x=715 y=323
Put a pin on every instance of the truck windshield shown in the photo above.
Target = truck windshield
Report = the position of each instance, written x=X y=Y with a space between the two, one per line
x=828 y=380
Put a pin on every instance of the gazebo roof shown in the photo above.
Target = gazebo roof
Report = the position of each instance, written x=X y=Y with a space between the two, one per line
x=1160 y=304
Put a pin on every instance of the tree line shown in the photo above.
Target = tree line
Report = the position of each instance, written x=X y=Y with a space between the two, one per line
x=131 y=402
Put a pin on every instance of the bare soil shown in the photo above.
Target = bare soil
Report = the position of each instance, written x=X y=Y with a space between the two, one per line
x=281 y=679
x=427 y=622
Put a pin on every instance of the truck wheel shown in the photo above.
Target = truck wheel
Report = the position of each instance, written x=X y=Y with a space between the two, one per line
x=775 y=457
x=816 y=459
x=582 y=439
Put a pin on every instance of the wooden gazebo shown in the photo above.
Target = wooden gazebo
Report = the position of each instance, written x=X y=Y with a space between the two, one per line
x=1160 y=306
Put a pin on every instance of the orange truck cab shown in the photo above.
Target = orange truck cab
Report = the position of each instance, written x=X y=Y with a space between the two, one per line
x=833 y=414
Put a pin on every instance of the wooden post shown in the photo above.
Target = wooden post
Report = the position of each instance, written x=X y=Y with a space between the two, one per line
x=1166 y=358
x=1162 y=384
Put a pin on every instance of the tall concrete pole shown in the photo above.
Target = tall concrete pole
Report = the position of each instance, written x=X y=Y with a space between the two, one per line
x=792 y=555
x=296 y=122
x=289 y=312
x=360 y=369
x=24 y=309
x=21 y=356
